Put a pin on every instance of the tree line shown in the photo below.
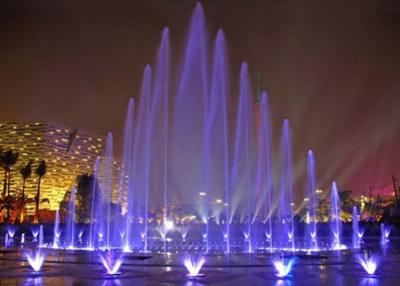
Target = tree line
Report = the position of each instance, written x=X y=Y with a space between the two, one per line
x=17 y=200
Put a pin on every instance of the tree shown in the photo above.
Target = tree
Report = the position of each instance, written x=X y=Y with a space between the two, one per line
x=7 y=160
x=84 y=194
x=40 y=172
x=26 y=173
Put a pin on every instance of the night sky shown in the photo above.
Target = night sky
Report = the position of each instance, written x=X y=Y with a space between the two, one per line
x=331 y=67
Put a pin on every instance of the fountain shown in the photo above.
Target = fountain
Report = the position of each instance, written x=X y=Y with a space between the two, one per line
x=193 y=266
x=70 y=222
x=41 y=236
x=36 y=260
x=56 y=230
x=336 y=224
x=22 y=238
x=11 y=232
x=356 y=229
x=184 y=141
x=385 y=232
x=312 y=238
x=111 y=262
x=368 y=263
x=283 y=266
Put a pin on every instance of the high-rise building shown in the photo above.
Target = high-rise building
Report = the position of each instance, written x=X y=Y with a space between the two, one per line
x=67 y=152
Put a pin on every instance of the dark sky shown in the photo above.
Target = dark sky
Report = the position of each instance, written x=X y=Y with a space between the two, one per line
x=331 y=67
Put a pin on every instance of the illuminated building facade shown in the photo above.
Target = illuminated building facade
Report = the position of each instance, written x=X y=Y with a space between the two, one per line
x=67 y=152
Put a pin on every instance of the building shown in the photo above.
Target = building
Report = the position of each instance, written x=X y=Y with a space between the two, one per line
x=67 y=152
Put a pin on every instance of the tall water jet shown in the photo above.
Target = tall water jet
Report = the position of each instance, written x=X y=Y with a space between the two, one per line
x=142 y=154
x=56 y=230
x=243 y=165
x=216 y=137
x=104 y=212
x=189 y=120
x=94 y=203
x=286 y=186
x=41 y=236
x=312 y=238
x=356 y=229
x=264 y=167
x=385 y=232
x=126 y=172
x=70 y=220
x=336 y=224
x=159 y=125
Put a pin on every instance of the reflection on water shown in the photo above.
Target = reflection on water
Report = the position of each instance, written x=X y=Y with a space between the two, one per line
x=369 y=281
x=34 y=281
x=283 y=282
x=193 y=283
x=111 y=282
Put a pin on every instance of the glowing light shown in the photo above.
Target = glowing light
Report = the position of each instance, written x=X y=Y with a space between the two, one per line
x=35 y=260
x=194 y=265
x=370 y=264
x=11 y=232
x=110 y=263
x=360 y=233
x=35 y=233
x=168 y=224
x=283 y=266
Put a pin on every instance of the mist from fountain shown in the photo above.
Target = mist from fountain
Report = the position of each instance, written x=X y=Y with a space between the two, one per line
x=264 y=167
x=312 y=237
x=36 y=260
x=355 y=228
x=56 y=230
x=286 y=186
x=70 y=220
x=41 y=236
x=336 y=224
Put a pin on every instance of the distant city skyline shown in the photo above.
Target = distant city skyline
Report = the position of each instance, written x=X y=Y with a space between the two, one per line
x=332 y=69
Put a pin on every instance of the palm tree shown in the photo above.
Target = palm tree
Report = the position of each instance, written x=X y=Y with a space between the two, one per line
x=22 y=200
x=7 y=160
x=40 y=172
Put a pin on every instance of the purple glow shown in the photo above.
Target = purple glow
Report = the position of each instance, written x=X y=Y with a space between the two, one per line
x=194 y=265
x=370 y=264
x=283 y=266
x=35 y=260
x=110 y=263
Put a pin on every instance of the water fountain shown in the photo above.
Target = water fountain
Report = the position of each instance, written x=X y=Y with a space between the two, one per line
x=283 y=266
x=369 y=263
x=36 y=260
x=193 y=266
x=312 y=237
x=56 y=230
x=356 y=229
x=41 y=236
x=181 y=143
x=385 y=232
x=71 y=220
x=336 y=224
x=111 y=262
